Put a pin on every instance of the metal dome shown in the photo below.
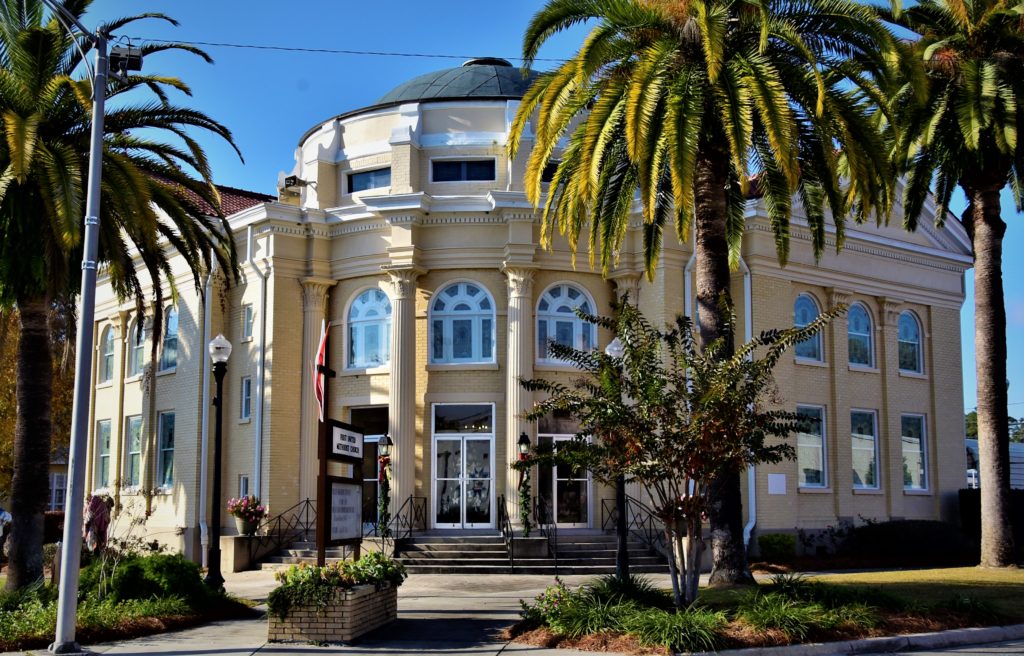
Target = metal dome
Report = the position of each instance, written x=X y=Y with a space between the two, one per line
x=486 y=77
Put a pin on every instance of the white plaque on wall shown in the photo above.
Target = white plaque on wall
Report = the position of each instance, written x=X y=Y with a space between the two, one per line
x=346 y=511
x=776 y=484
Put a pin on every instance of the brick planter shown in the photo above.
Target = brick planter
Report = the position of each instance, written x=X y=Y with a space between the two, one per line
x=348 y=615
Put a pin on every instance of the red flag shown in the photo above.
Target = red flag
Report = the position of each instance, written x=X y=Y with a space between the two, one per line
x=318 y=375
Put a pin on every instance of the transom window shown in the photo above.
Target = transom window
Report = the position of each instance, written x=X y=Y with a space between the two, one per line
x=107 y=360
x=861 y=346
x=908 y=335
x=805 y=310
x=810 y=447
x=864 y=442
x=915 y=452
x=169 y=352
x=462 y=324
x=136 y=348
x=363 y=180
x=369 y=330
x=557 y=321
x=460 y=170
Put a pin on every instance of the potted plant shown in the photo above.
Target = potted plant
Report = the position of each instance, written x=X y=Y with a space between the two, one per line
x=248 y=512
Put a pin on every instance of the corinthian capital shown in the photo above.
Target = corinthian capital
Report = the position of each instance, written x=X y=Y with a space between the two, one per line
x=520 y=281
x=403 y=280
x=314 y=293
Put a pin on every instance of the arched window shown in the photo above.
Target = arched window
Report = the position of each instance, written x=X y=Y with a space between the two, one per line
x=462 y=324
x=136 y=347
x=369 y=330
x=107 y=355
x=557 y=321
x=861 y=344
x=805 y=310
x=908 y=336
x=169 y=354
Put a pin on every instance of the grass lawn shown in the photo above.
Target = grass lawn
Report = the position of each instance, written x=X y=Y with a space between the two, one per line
x=1002 y=588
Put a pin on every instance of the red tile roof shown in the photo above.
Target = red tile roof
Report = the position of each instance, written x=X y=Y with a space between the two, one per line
x=232 y=199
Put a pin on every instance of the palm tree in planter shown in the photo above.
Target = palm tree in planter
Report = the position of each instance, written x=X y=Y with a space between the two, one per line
x=960 y=128
x=685 y=103
x=151 y=207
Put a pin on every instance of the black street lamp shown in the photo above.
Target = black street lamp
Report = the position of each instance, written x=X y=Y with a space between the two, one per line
x=220 y=351
x=524 y=444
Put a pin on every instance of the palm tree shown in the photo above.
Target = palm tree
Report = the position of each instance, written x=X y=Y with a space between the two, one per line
x=960 y=128
x=686 y=102
x=151 y=206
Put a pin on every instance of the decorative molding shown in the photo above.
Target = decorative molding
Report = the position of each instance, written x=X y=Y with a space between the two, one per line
x=837 y=296
x=627 y=282
x=520 y=280
x=403 y=280
x=486 y=219
x=314 y=293
x=354 y=228
x=890 y=311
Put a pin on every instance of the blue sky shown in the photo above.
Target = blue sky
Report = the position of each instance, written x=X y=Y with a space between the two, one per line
x=270 y=98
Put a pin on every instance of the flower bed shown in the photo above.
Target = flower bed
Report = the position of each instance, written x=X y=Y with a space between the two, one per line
x=336 y=603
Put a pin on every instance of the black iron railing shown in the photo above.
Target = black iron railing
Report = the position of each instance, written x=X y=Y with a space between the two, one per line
x=505 y=524
x=544 y=516
x=297 y=522
x=641 y=522
x=411 y=516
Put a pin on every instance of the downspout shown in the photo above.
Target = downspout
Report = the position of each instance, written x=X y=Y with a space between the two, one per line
x=261 y=367
x=748 y=334
x=204 y=529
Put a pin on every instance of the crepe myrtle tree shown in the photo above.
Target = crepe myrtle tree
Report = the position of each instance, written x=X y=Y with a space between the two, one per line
x=673 y=417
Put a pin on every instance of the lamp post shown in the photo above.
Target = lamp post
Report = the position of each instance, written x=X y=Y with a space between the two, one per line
x=384 y=494
x=616 y=350
x=125 y=59
x=220 y=351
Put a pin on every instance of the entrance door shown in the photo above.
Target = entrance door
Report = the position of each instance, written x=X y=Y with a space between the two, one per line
x=567 y=490
x=463 y=466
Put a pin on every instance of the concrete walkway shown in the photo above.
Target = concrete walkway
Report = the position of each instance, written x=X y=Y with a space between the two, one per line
x=463 y=614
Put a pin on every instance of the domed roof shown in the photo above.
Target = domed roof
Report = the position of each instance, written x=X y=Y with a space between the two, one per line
x=486 y=77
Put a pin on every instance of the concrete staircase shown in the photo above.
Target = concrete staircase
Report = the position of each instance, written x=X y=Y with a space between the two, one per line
x=585 y=553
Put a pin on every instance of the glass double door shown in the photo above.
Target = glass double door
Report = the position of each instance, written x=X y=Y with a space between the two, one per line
x=566 y=489
x=464 y=481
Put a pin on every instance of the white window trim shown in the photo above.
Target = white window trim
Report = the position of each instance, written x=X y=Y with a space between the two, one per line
x=161 y=368
x=57 y=492
x=549 y=317
x=131 y=347
x=919 y=371
x=107 y=371
x=127 y=484
x=870 y=364
x=99 y=456
x=244 y=414
x=243 y=490
x=878 y=464
x=924 y=453
x=247 y=322
x=367 y=169
x=387 y=320
x=803 y=359
x=433 y=459
x=457 y=158
x=161 y=451
x=826 y=479
x=477 y=335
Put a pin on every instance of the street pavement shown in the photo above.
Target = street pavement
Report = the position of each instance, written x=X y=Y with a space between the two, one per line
x=437 y=614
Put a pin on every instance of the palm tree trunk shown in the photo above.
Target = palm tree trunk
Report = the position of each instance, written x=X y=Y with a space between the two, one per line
x=725 y=512
x=987 y=230
x=31 y=444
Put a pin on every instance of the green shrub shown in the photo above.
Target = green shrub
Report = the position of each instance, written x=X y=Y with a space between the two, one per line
x=639 y=589
x=546 y=605
x=800 y=588
x=302 y=585
x=175 y=576
x=914 y=542
x=976 y=609
x=130 y=581
x=582 y=615
x=792 y=617
x=777 y=547
x=695 y=629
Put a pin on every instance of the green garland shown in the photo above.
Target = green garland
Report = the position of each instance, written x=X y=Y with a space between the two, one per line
x=524 y=502
x=384 y=498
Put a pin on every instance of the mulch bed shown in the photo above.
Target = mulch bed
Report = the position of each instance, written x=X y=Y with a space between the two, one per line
x=144 y=626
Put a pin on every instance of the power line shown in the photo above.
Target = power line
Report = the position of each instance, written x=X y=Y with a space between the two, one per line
x=331 y=51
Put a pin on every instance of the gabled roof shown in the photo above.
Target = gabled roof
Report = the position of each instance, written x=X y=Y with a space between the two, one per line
x=232 y=199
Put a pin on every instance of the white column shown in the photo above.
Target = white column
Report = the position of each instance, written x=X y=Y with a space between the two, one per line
x=402 y=398
x=520 y=366
x=314 y=311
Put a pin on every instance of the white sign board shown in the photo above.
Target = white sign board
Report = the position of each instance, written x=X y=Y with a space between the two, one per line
x=346 y=511
x=346 y=443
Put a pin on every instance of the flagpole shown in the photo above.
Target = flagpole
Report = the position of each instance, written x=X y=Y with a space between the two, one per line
x=323 y=372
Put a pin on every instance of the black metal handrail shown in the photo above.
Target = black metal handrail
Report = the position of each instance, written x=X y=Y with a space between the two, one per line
x=505 y=523
x=544 y=517
x=640 y=522
x=410 y=516
x=285 y=528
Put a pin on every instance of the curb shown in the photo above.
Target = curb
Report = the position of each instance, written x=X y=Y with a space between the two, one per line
x=886 y=644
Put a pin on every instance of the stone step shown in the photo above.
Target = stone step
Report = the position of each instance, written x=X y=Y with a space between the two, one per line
x=497 y=545
x=449 y=554
x=549 y=570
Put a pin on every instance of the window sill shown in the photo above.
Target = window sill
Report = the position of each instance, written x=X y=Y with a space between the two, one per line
x=101 y=491
x=133 y=379
x=367 y=371
x=245 y=420
x=807 y=362
x=163 y=491
x=131 y=491
x=463 y=366
x=864 y=369
x=913 y=374
x=245 y=339
x=554 y=366
x=917 y=493
x=167 y=372
x=814 y=490
x=868 y=490
x=105 y=384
